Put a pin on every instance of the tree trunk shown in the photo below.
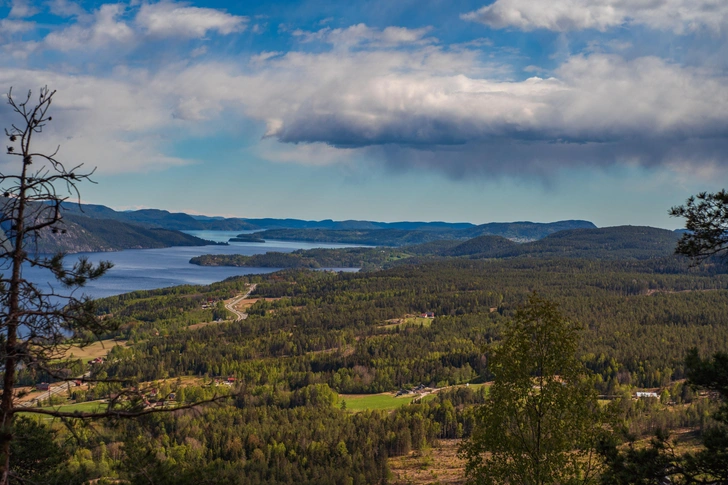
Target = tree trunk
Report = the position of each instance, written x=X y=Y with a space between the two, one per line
x=12 y=323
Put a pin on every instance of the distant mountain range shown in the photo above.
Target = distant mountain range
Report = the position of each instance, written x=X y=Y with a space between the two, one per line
x=513 y=231
x=92 y=227
x=180 y=221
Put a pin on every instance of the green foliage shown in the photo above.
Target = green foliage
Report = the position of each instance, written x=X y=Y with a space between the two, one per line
x=522 y=231
x=711 y=374
x=650 y=465
x=658 y=463
x=329 y=333
x=706 y=222
x=37 y=458
x=541 y=421
x=311 y=258
x=610 y=243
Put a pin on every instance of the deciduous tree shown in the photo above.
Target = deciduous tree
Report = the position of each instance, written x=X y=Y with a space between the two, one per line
x=541 y=421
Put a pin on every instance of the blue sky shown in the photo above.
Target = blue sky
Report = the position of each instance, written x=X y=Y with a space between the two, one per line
x=606 y=110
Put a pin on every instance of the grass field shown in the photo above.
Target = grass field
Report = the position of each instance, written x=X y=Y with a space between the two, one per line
x=386 y=400
x=83 y=407
x=90 y=352
x=402 y=322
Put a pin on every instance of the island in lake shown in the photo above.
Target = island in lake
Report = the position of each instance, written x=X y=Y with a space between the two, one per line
x=247 y=238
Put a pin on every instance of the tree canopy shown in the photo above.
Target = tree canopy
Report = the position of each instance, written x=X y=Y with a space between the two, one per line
x=541 y=421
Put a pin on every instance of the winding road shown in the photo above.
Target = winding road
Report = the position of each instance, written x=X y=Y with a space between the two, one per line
x=230 y=306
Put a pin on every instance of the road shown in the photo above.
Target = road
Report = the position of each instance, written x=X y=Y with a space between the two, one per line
x=231 y=305
x=52 y=391
x=66 y=386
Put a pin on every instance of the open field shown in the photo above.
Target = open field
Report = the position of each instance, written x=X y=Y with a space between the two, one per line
x=83 y=407
x=437 y=465
x=388 y=401
x=408 y=320
x=92 y=351
x=385 y=401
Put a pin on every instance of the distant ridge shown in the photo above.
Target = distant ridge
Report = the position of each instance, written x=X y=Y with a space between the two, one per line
x=515 y=231
x=619 y=242
x=625 y=243
x=186 y=222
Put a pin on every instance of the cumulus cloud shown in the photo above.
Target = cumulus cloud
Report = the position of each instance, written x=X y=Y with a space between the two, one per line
x=423 y=108
x=679 y=16
x=392 y=94
x=361 y=34
x=167 y=19
x=117 y=125
x=101 y=29
x=11 y=27
x=65 y=8
x=21 y=9
x=419 y=108
x=376 y=99
x=113 y=25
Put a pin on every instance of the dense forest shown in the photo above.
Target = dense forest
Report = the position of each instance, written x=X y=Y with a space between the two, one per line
x=185 y=222
x=625 y=242
x=401 y=235
x=313 y=338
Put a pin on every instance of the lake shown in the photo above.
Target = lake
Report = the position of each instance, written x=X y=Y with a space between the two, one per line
x=148 y=269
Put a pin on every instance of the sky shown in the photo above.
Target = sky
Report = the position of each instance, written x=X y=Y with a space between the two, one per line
x=611 y=111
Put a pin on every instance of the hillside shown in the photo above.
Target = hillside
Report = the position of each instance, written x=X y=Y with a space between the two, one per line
x=482 y=245
x=520 y=231
x=517 y=231
x=610 y=243
x=158 y=218
x=84 y=234
x=337 y=376
x=621 y=242
x=370 y=258
x=524 y=231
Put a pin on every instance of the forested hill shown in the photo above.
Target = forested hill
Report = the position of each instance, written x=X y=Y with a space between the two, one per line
x=517 y=231
x=610 y=243
x=315 y=342
x=155 y=218
x=448 y=230
x=621 y=242
x=84 y=234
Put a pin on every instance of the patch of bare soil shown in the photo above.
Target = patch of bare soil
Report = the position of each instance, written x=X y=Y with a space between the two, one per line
x=437 y=465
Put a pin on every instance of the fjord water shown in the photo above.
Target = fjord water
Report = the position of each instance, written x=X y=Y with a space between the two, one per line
x=147 y=269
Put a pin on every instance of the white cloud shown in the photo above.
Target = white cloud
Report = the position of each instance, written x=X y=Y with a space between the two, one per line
x=264 y=56
x=679 y=16
x=65 y=8
x=11 y=27
x=19 y=50
x=168 y=19
x=117 y=125
x=414 y=111
x=108 y=26
x=420 y=105
x=362 y=34
x=96 y=31
x=21 y=9
x=374 y=98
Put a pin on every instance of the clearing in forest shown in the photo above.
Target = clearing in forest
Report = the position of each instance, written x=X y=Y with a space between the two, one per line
x=438 y=464
x=92 y=351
